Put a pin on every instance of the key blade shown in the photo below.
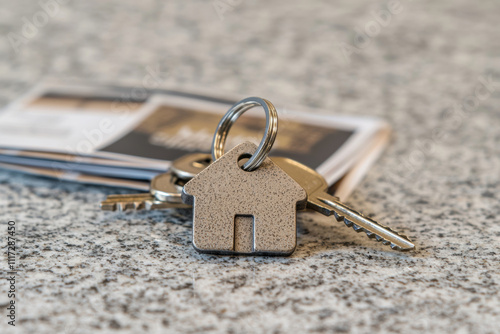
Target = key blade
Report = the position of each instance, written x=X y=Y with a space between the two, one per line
x=125 y=202
x=137 y=202
x=121 y=206
x=330 y=205
x=326 y=204
x=160 y=205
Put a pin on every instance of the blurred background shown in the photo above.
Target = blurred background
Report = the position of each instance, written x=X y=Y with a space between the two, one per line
x=409 y=62
x=429 y=68
x=420 y=57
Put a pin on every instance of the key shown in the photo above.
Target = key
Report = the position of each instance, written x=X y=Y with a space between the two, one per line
x=165 y=193
x=138 y=202
x=190 y=165
x=165 y=189
x=318 y=199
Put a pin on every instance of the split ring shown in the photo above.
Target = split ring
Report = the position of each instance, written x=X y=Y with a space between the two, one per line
x=232 y=115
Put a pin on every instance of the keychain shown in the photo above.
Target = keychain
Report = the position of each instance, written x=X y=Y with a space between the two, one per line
x=244 y=202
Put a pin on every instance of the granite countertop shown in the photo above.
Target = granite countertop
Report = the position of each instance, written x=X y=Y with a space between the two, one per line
x=87 y=271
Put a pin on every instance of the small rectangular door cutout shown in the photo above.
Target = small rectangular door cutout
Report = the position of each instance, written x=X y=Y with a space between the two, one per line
x=243 y=233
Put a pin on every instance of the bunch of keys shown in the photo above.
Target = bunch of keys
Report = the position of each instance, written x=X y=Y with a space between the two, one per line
x=164 y=189
x=245 y=203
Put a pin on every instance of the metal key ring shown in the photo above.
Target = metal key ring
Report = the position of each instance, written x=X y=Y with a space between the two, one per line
x=232 y=115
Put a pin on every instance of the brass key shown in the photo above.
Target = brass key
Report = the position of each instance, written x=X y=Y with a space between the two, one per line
x=143 y=201
x=318 y=199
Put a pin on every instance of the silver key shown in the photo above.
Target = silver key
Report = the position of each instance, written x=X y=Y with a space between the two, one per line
x=190 y=165
x=165 y=193
x=318 y=199
x=165 y=189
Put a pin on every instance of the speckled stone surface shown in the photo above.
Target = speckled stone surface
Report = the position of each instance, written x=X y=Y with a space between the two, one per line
x=86 y=271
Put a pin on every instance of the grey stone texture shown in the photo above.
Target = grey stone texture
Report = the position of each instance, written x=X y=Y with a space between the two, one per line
x=87 y=271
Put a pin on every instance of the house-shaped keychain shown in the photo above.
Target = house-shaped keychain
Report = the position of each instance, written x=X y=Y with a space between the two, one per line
x=244 y=212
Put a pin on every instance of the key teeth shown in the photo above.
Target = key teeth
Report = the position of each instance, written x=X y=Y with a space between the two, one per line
x=372 y=235
x=369 y=234
x=357 y=228
x=119 y=207
x=347 y=222
x=396 y=247
x=126 y=206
